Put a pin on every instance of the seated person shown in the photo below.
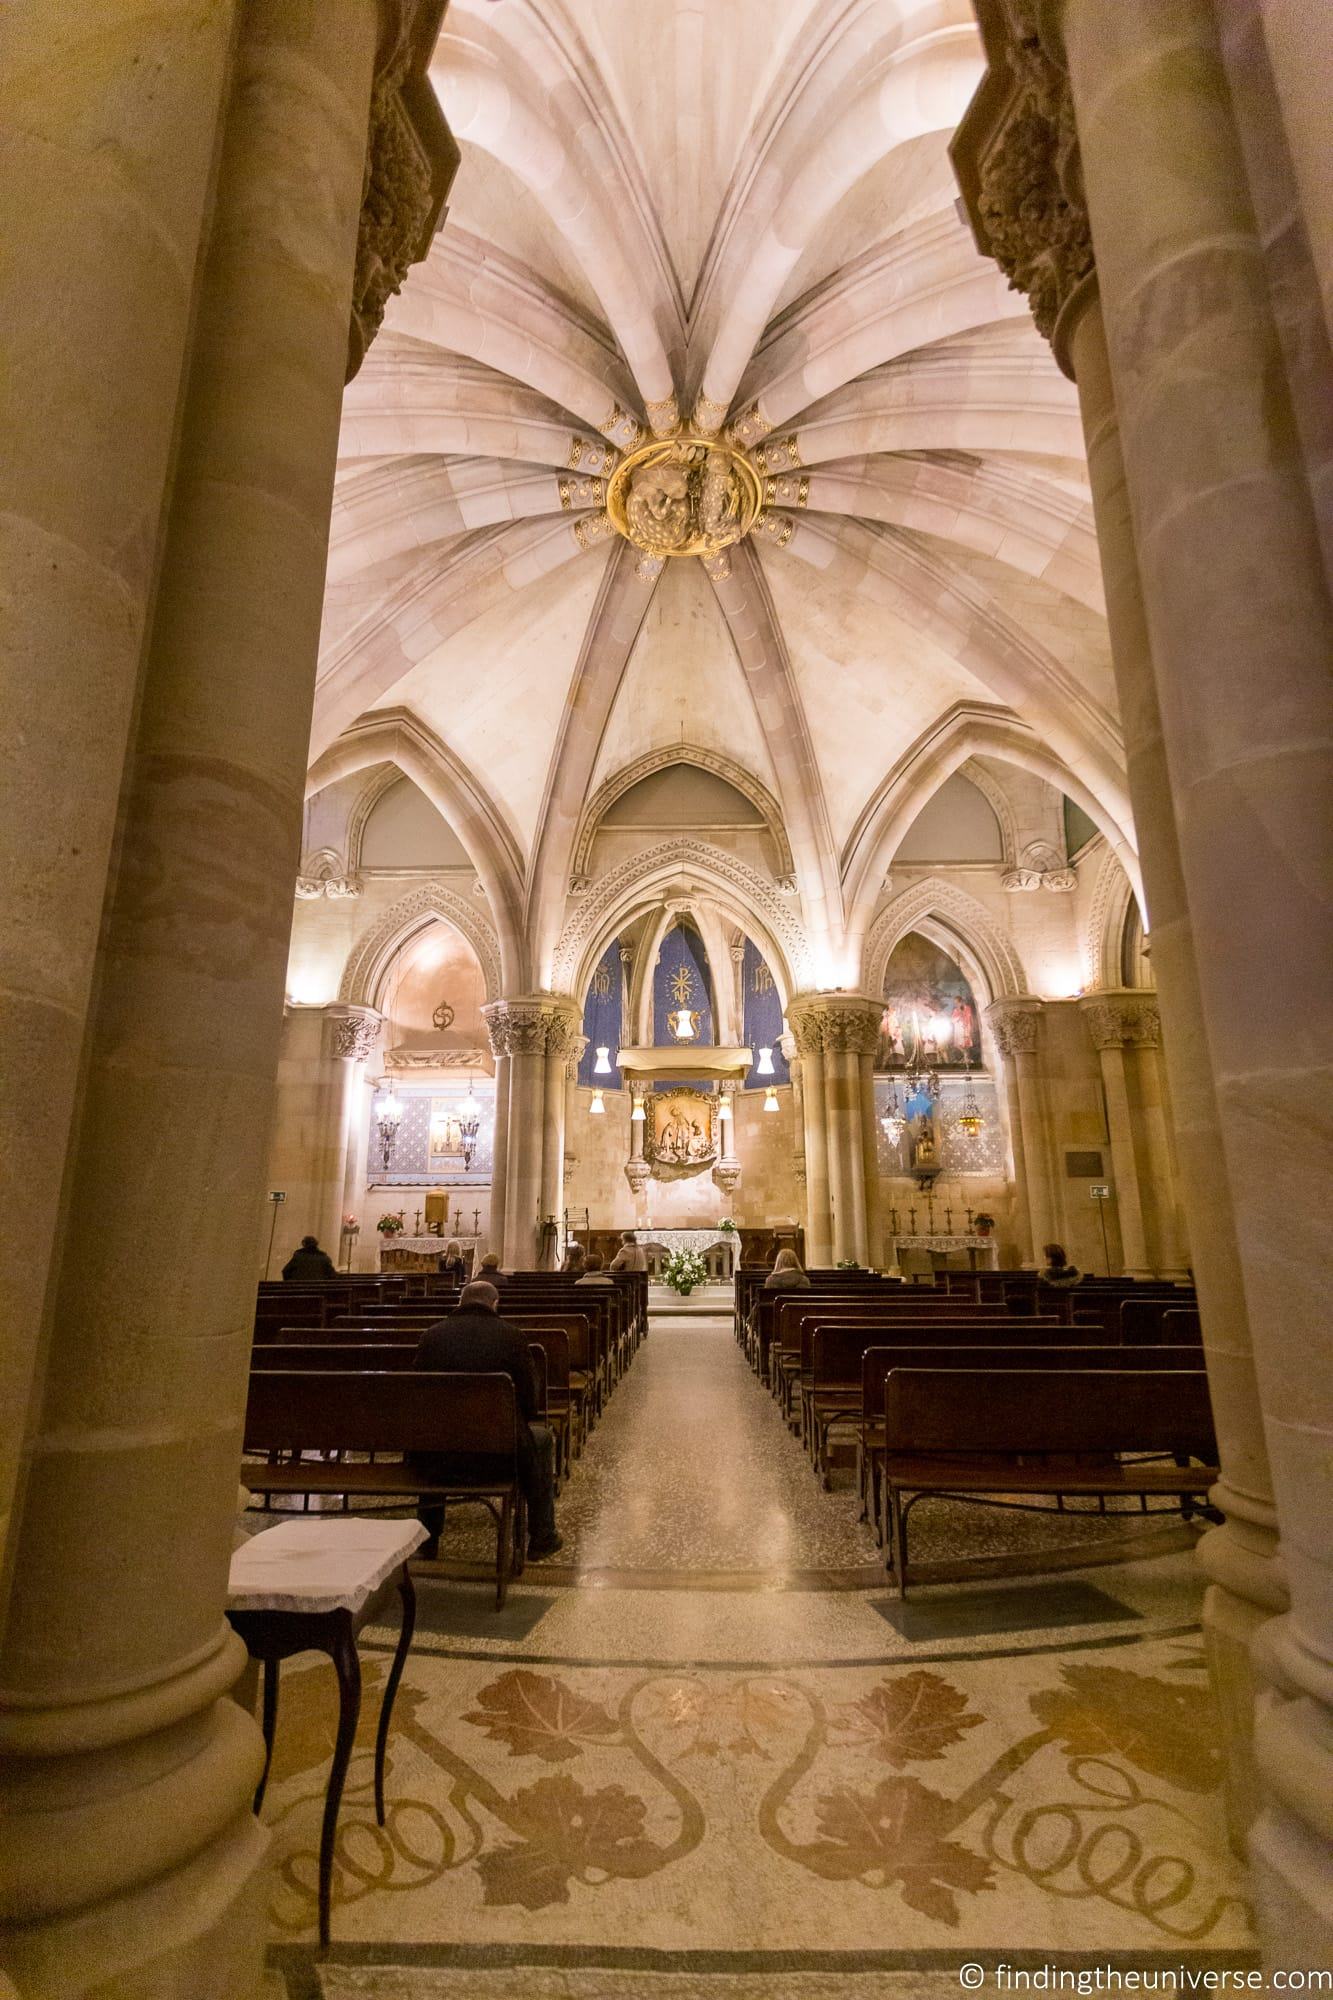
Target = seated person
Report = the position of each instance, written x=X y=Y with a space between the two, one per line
x=1056 y=1271
x=592 y=1273
x=787 y=1274
x=490 y=1268
x=573 y=1264
x=631 y=1256
x=309 y=1261
x=474 y=1340
x=452 y=1263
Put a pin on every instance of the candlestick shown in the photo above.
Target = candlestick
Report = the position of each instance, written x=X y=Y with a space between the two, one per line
x=911 y=1218
x=417 y=1228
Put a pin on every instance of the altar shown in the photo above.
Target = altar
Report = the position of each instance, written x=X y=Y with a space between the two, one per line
x=660 y=1243
x=977 y=1253
x=419 y=1253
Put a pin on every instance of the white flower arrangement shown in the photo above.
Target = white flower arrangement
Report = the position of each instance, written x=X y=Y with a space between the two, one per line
x=683 y=1270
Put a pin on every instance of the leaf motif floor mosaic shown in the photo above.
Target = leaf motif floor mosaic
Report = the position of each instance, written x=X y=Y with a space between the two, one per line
x=621 y=1793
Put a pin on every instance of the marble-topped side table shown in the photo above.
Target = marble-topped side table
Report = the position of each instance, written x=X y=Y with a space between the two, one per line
x=309 y=1586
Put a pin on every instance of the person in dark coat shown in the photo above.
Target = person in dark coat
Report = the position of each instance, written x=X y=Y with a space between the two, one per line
x=474 y=1340
x=309 y=1261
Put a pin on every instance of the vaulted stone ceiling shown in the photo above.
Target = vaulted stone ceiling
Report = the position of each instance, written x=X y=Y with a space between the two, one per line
x=741 y=216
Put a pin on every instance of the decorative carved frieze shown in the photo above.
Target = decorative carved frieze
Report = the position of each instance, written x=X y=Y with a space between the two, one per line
x=576 y=493
x=1014 y=1023
x=778 y=454
x=592 y=528
x=709 y=416
x=1040 y=866
x=777 y=528
x=592 y=455
x=623 y=429
x=405 y=1058
x=749 y=426
x=787 y=490
x=663 y=417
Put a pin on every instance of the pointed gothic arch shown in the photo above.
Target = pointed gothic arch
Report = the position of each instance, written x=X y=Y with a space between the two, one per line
x=368 y=962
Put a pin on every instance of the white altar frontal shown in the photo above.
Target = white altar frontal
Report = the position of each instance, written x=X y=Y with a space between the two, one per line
x=975 y=1253
x=665 y=1241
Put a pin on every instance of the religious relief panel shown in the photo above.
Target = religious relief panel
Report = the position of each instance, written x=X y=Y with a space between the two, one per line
x=681 y=1134
x=930 y=1015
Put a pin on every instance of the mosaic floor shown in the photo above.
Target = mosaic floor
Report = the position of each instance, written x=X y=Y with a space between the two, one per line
x=684 y=1765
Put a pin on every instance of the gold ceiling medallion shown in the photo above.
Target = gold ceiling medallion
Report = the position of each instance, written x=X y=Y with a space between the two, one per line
x=687 y=495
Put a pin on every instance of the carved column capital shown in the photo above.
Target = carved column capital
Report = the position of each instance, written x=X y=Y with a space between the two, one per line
x=1013 y=1022
x=535 y=1024
x=1016 y=158
x=837 y=1023
x=1119 y=1017
x=411 y=160
x=352 y=1034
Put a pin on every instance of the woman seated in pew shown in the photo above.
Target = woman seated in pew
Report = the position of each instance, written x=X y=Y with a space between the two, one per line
x=787 y=1274
x=592 y=1272
x=452 y=1262
x=1057 y=1270
x=573 y=1264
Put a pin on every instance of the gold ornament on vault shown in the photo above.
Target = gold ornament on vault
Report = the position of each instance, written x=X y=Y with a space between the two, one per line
x=685 y=496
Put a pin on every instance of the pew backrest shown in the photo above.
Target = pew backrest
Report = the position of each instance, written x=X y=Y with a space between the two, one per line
x=390 y=1411
x=961 y=1411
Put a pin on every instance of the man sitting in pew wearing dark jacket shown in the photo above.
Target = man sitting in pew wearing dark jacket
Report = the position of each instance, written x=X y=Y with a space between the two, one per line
x=474 y=1340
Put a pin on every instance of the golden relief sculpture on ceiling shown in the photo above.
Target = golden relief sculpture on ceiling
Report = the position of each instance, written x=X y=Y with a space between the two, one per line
x=685 y=496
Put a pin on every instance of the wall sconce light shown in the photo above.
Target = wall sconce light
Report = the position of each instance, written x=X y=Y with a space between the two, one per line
x=638 y=1112
x=771 y=1099
x=388 y=1117
x=597 y=1109
x=724 y=1108
x=602 y=1066
x=764 y=1066
x=683 y=1023
x=469 y=1124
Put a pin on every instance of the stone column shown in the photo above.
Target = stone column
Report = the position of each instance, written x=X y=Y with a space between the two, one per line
x=847 y=1028
x=562 y=1033
x=353 y=1036
x=1160 y=1183
x=495 y=1237
x=807 y=1029
x=110 y=134
x=1014 y=1022
x=1210 y=447
x=521 y=1030
x=870 y=1160
x=637 y=1171
x=140 y=1864
x=1241 y=626
x=1108 y=1024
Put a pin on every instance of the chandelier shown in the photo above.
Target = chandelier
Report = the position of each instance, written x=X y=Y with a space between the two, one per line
x=469 y=1124
x=388 y=1117
x=969 y=1120
x=892 y=1120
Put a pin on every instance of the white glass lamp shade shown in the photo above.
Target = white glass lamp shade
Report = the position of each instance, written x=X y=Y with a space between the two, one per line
x=597 y=1109
x=771 y=1100
x=602 y=1066
x=764 y=1066
x=724 y=1108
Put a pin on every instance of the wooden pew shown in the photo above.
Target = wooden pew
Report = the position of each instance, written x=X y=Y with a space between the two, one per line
x=389 y=1414
x=1046 y=1348
x=994 y=1432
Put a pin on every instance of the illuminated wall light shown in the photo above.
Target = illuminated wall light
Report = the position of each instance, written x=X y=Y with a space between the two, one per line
x=724 y=1108
x=602 y=1066
x=764 y=1066
x=597 y=1109
x=682 y=1023
x=771 y=1100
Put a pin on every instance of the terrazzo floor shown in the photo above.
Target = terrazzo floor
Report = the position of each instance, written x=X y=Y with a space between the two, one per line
x=708 y=1755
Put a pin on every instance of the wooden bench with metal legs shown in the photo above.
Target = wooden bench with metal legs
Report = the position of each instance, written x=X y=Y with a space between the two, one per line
x=291 y=1414
x=994 y=1434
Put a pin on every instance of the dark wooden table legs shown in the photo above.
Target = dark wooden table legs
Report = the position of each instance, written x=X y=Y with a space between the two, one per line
x=274 y=1636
